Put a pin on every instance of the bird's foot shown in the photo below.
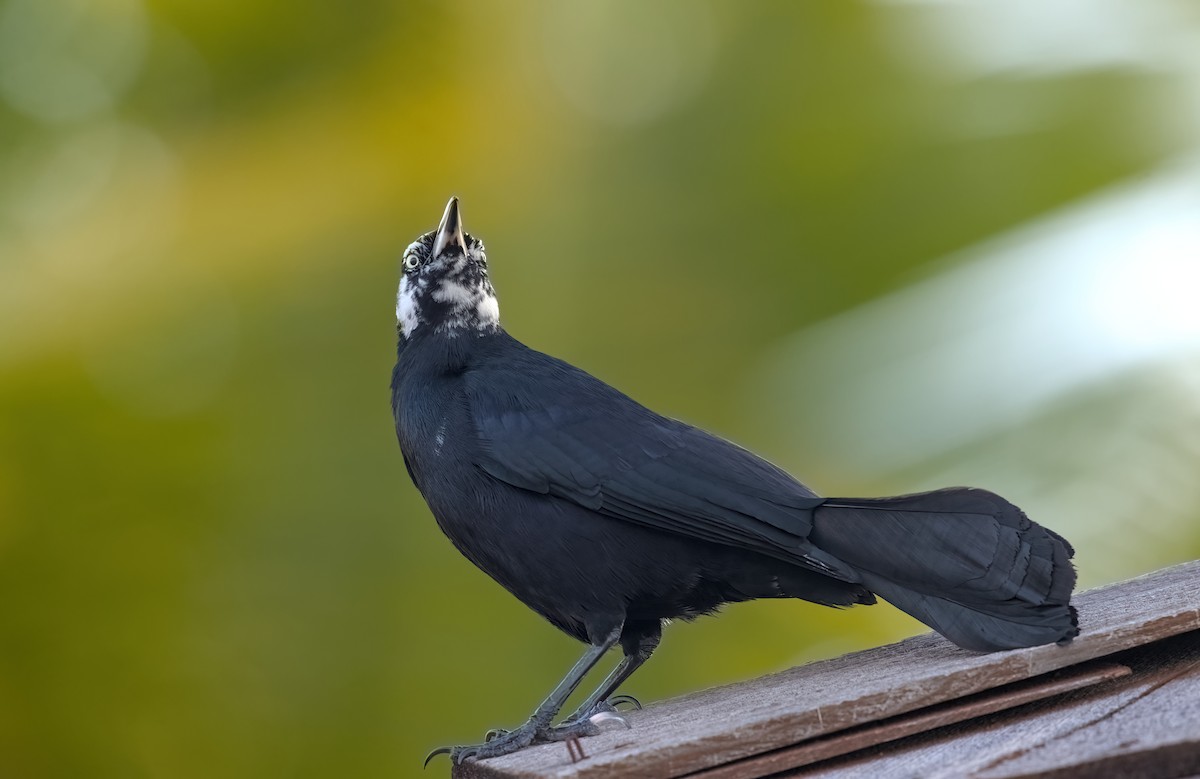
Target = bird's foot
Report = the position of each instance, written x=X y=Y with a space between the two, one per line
x=496 y=742
x=499 y=742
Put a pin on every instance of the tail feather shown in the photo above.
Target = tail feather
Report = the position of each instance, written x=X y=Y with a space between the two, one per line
x=964 y=561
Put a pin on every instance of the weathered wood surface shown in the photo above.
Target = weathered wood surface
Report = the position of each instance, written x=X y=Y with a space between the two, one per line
x=1145 y=724
x=921 y=721
x=718 y=726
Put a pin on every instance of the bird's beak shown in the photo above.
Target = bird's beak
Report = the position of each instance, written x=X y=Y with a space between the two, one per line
x=450 y=232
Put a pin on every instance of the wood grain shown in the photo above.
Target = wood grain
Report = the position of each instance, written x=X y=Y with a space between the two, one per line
x=718 y=726
x=921 y=721
x=1145 y=724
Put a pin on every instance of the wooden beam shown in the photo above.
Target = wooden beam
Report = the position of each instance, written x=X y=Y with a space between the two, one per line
x=716 y=727
x=1146 y=724
x=920 y=721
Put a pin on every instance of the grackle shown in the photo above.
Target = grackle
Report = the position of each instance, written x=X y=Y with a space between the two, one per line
x=607 y=518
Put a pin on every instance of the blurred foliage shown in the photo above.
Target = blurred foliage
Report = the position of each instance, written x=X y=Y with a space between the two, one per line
x=211 y=561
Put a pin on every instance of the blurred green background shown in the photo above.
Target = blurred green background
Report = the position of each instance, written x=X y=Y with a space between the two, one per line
x=890 y=245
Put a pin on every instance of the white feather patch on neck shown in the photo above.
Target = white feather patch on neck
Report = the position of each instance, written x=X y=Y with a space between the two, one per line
x=471 y=306
x=406 y=305
x=488 y=310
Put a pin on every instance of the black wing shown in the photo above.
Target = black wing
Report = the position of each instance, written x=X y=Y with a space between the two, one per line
x=545 y=426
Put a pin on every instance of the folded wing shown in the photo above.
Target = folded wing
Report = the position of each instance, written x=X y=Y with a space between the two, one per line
x=609 y=454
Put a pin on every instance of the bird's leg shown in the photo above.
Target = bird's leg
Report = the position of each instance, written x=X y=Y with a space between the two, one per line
x=601 y=701
x=538 y=725
x=595 y=701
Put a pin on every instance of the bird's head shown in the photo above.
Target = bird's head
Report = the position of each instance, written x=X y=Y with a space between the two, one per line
x=445 y=286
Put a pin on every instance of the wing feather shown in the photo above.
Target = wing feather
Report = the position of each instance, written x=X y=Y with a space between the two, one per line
x=607 y=453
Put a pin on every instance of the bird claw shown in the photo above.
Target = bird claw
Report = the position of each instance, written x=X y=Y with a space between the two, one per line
x=496 y=742
x=439 y=751
x=617 y=700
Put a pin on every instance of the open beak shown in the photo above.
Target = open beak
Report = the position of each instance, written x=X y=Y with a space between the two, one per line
x=450 y=232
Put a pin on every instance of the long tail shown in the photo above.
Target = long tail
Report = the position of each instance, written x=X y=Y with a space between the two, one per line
x=964 y=561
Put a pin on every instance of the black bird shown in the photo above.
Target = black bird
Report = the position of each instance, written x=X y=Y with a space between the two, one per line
x=607 y=518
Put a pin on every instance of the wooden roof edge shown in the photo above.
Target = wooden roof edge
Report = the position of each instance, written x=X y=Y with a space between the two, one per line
x=715 y=727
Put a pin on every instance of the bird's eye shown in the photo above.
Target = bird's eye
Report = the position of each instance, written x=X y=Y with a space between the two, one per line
x=411 y=262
